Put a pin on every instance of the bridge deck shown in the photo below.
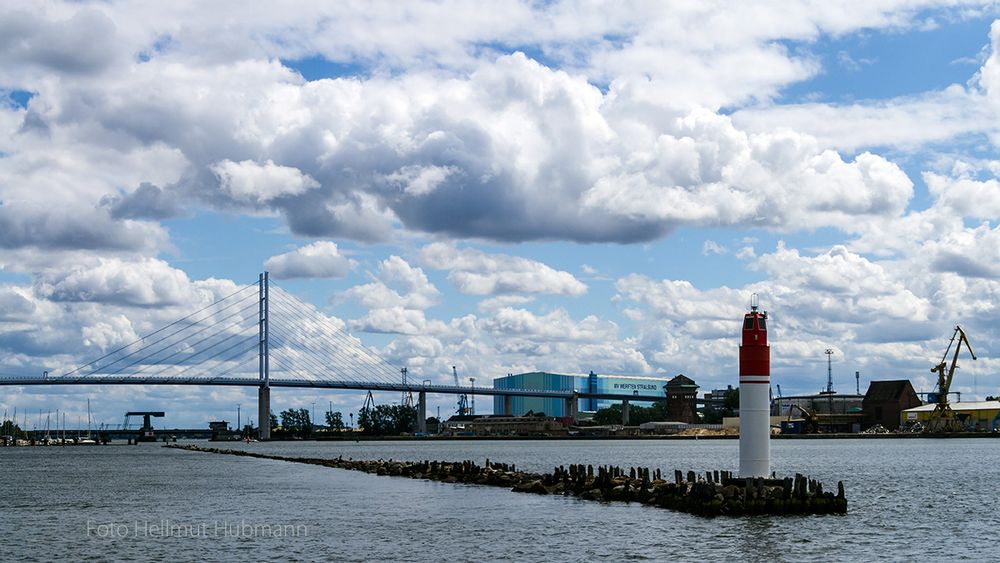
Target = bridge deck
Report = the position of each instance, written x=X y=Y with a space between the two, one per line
x=324 y=384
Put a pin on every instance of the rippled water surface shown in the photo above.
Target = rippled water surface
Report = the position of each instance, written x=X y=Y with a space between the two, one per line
x=922 y=499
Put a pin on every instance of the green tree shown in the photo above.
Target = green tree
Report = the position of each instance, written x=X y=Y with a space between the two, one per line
x=305 y=421
x=730 y=406
x=296 y=422
x=335 y=420
x=365 y=422
x=731 y=400
x=10 y=429
x=405 y=419
x=289 y=420
x=433 y=425
x=636 y=415
x=387 y=420
x=610 y=415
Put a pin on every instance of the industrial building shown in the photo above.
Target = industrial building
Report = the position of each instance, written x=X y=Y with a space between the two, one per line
x=517 y=426
x=682 y=399
x=979 y=415
x=820 y=403
x=715 y=400
x=884 y=402
x=590 y=383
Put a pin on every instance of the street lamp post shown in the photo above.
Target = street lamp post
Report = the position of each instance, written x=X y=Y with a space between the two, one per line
x=238 y=427
x=473 y=408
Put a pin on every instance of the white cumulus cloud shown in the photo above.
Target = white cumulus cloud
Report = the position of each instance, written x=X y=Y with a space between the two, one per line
x=317 y=260
x=251 y=181
x=478 y=273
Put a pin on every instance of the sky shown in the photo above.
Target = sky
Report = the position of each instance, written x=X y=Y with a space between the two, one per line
x=503 y=187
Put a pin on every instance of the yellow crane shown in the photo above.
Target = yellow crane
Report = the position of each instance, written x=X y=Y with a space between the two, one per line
x=942 y=417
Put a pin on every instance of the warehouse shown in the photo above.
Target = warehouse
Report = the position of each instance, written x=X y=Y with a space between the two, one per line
x=590 y=383
x=979 y=415
x=884 y=402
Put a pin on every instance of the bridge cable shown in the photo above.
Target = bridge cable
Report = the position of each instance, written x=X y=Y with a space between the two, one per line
x=230 y=370
x=201 y=351
x=363 y=357
x=252 y=339
x=154 y=353
x=338 y=356
x=161 y=329
x=151 y=344
x=315 y=361
x=322 y=360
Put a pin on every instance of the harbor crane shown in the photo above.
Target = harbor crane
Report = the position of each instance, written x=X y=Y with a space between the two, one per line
x=463 y=400
x=942 y=418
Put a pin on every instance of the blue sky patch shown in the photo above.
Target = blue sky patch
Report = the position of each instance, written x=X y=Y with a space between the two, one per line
x=20 y=98
x=879 y=64
x=318 y=67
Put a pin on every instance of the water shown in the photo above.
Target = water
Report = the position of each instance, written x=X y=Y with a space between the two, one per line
x=920 y=500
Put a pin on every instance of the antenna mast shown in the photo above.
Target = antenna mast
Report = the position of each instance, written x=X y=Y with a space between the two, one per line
x=829 y=370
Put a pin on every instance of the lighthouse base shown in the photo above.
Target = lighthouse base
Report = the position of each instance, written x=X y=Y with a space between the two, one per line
x=755 y=430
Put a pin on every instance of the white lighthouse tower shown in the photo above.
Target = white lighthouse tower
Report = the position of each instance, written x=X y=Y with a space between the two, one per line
x=755 y=381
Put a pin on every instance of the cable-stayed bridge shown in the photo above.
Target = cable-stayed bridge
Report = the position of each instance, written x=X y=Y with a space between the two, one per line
x=262 y=336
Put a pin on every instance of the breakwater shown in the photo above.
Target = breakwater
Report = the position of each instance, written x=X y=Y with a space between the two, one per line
x=714 y=493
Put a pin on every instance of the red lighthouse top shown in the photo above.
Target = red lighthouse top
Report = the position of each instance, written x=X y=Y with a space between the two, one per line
x=755 y=354
x=755 y=326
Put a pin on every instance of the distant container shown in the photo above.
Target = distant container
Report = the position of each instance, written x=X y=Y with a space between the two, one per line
x=791 y=426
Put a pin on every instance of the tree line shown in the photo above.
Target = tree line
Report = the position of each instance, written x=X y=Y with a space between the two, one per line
x=658 y=412
x=379 y=420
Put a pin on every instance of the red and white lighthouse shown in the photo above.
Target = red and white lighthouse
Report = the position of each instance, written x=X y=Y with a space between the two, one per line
x=755 y=382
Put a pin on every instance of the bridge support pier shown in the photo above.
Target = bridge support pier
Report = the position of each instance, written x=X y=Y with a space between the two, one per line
x=625 y=412
x=570 y=409
x=264 y=412
x=508 y=405
x=422 y=412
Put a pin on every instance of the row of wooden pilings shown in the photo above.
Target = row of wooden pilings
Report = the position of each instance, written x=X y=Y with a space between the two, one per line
x=714 y=493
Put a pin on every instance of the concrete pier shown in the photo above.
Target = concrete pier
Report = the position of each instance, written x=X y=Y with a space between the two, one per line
x=264 y=412
x=422 y=412
x=625 y=412
x=571 y=409
x=508 y=405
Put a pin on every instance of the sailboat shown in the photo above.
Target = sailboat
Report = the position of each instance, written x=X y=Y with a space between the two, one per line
x=88 y=440
x=26 y=441
x=47 y=439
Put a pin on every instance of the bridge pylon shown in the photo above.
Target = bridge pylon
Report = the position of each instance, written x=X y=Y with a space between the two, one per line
x=264 y=391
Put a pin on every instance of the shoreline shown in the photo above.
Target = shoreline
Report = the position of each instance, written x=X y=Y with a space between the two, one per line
x=640 y=438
